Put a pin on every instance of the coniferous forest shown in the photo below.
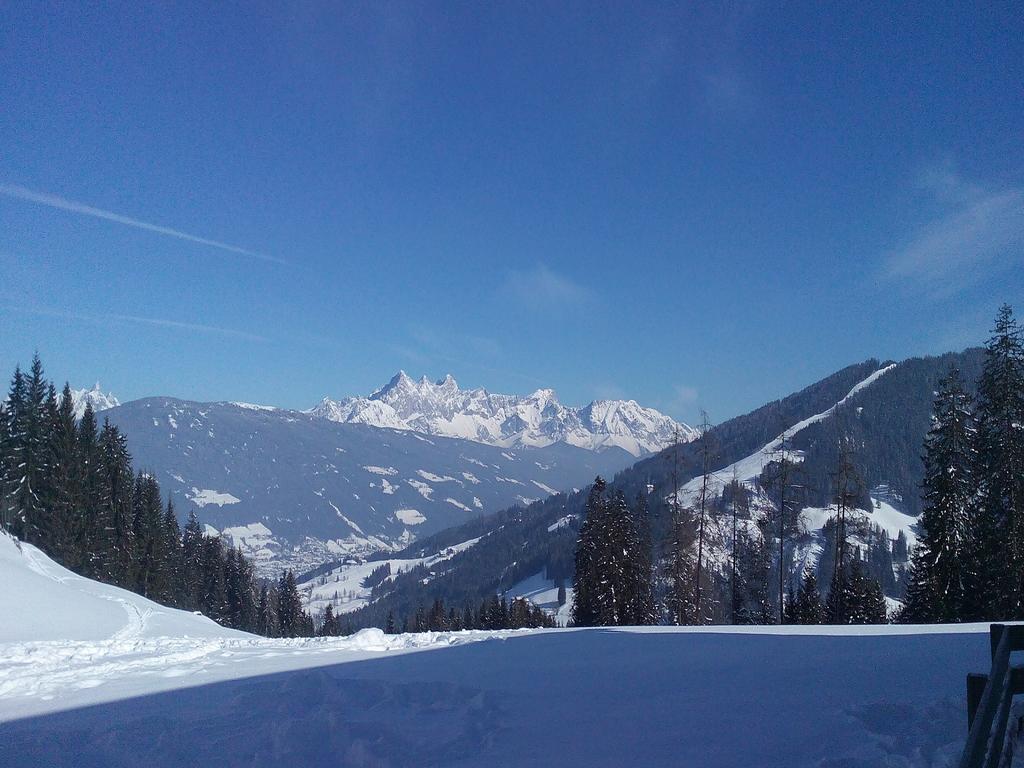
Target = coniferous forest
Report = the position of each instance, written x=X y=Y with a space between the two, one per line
x=968 y=564
x=70 y=489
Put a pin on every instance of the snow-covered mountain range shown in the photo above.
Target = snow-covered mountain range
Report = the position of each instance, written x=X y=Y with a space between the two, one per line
x=294 y=490
x=100 y=400
x=508 y=421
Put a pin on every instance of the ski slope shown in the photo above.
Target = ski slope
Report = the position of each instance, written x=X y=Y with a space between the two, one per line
x=93 y=676
x=747 y=469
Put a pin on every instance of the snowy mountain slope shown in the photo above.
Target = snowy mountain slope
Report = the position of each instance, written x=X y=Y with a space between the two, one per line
x=100 y=400
x=43 y=601
x=538 y=419
x=343 y=587
x=543 y=592
x=883 y=405
x=811 y=520
x=68 y=641
x=747 y=469
x=84 y=686
x=295 y=490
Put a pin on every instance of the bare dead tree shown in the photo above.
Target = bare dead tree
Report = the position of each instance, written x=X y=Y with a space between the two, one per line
x=783 y=481
x=706 y=457
x=732 y=556
x=848 y=487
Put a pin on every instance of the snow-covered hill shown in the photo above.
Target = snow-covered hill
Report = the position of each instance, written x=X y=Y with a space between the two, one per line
x=538 y=419
x=810 y=521
x=297 y=491
x=100 y=400
x=43 y=601
x=91 y=675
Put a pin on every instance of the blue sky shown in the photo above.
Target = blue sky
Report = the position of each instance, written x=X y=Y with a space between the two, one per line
x=691 y=207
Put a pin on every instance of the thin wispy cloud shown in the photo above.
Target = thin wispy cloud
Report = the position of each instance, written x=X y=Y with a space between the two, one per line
x=112 y=318
x=53 y=201
x=978 y=231
x=542 y=288
x=682 y=403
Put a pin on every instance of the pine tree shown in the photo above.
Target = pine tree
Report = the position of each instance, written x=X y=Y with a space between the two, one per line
x=267 y=621
x=330 y=626
x=639 y=607
x=753 y=575
x=64 y=518
x=585 y=610
x=148 y=530
x=97 y=541
x=809 y=608
x=174 y=557
x=612 y=534
x=936 y=589
x=855 y=597
x=192 y=562
x=116 y=513
x=292 y=620
x=995 y=585
x=900 y=549
x=6 y=469
x=29 y=465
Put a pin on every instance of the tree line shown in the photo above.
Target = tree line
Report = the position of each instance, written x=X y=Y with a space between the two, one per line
x=68 y=486
x=968 y=563
x=494 y=613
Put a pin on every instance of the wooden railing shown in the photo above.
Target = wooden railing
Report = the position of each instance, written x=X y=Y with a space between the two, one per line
x=989 y=698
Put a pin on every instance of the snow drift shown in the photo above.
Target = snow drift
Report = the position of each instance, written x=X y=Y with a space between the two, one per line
x=91 y=675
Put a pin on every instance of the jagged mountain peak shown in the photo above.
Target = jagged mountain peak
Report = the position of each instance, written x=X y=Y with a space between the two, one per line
x=100 y=400
x=440 y=407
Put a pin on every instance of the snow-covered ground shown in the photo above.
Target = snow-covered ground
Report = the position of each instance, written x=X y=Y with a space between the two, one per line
x=343 y=589
x=93 y=676
x=543 y=593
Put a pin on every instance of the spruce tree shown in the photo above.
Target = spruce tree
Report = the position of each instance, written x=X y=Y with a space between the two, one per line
x=586 y=587
x=809 y=608
x=29 y=465
x=6 y=469
x=995 y=587
x=330 y=626
x=292 y=620
x=148 y=530
x=192 y=562
x=612 y=534
x=937 y=581
x=117 y=514
x=855 y=597
x=97 y=539
x=753 y=575
x=174 y=557
x=64 y=518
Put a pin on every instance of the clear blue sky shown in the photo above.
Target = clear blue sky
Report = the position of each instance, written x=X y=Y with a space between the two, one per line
x=689 y=207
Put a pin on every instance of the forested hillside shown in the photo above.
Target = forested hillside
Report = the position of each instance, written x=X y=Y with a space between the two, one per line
x=885 y=423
